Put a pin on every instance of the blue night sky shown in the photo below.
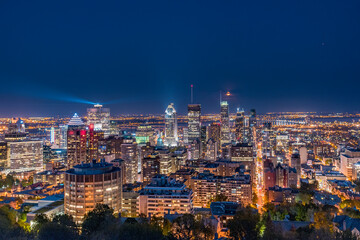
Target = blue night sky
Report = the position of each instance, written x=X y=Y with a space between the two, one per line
x=57 y=56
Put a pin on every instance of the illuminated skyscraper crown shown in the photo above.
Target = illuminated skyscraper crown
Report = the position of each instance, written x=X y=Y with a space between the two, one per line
x=75 y=121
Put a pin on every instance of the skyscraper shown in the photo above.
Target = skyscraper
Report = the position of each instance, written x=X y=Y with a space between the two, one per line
x=100 y=117
x=239 y=125
x=194 y=122
x=129 y=154
x=76 y=142
x=225 y=122
x=214 y=132
x=171 y=128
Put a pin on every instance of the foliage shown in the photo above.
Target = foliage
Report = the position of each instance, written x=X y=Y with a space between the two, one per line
x=98 y=219
x=187 y=227
x=245 y=224
x=322 y=221
x=56 y=231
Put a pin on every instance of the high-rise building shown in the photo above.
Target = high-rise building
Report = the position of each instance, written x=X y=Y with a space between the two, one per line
x=63 y=136
x=165 y=196
x=52 y=135
x=22 y=154
x=194 y=122
x=171 y=127
x=214 y=132
x=89 y=184
x=203 y=139
x=145 y=134
x=129 y=154
x=76 y=142
x=239 y=125
x=93 y=139
x=211 y=150
x=296 y=163
x=16 y=131
x=25 y=156
x=100 y=117
x=150 y=167
x=225 y=123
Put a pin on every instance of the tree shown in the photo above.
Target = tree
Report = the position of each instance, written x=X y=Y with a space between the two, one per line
x=39 y=221
x=99 y=218
x=184 y=227
x=244 y=225
x=321 y=221
x=305 y=198
x=206 y=231
x=9 y=228
x=56 y=231
x=270 y=232
x=255 y=198
x=139 y=231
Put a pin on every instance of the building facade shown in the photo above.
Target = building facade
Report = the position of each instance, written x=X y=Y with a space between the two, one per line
x=89 y=184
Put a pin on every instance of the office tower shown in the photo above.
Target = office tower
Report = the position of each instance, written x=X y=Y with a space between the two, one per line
x=185 y=136
x=252 y=118
x=25 y=156
x=166 y=162
x=211 y=150
x=76 y=142
x=239 y=125
x=16 y=131
x=112 y=145
x=251 y=127
x=295 y=162
x=194 y=122
x=150 y=167
x=63 y=136
x=165 y=196
x=214 y=132
x=171 y=127
x=203 y=139
x=52 y=135
x=225 y=123
x=194 y=150
x=89 y=184
x=22 y=154
x=269 y=140
x=114 y=129
x=93 y=139
x=145 y=134
x=100 y=117
x=130 y=156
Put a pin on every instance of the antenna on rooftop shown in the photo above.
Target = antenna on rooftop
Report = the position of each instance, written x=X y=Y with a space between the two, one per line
x=192 y=94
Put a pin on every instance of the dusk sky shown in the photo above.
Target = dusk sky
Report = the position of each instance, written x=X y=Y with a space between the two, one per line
x=138 y=56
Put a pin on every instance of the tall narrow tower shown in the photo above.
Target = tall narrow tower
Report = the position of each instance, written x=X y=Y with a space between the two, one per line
x=100 y=118
x=194 y=120
x=76 y=142
x=171 y=127
x=225 y=122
